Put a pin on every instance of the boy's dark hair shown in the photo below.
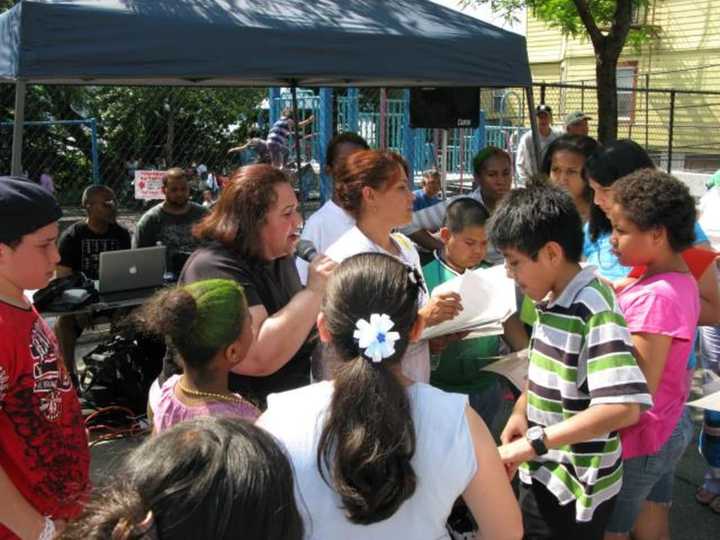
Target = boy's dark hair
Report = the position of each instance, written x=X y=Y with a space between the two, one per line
x=605 y=166
x=346 y=137
x=463 y=213
x=203 y=478
x=372 y=474
x=529 y=218
x=652 y=198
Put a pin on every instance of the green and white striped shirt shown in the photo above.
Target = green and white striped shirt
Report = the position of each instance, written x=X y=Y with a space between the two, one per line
x=581 y=356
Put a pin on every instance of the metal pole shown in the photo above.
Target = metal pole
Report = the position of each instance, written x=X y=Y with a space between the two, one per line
x=94 y=151
x=293 y=91
x=16 y=168
x=383 y=104
x=647 y=109
x=542 y=93
x=461 y=131
x=533 y=125
x=671 y=129
x=443 y=162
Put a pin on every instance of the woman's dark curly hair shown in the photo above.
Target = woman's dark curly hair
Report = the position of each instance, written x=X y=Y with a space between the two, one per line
x=651 y=199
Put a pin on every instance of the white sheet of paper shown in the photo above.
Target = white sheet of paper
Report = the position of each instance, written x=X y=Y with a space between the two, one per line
x=513 y=366
x=711 y=402
x=487 y=296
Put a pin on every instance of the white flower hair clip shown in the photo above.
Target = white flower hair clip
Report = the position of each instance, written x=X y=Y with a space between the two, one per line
x=375 y=338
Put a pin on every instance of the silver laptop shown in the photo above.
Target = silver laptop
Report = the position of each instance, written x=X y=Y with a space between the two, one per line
x=131 y=269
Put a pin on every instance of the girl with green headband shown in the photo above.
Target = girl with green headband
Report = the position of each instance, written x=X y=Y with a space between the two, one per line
x=209 y=325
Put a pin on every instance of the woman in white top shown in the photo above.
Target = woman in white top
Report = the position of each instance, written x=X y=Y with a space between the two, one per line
x=372 y=186
x=376 y=455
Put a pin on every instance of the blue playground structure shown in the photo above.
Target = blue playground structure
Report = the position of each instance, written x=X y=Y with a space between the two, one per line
x=385 y=125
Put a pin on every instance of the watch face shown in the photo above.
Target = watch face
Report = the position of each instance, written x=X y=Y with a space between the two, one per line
x=535 y=433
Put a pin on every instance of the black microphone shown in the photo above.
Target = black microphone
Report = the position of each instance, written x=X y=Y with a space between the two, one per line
x=306 y=250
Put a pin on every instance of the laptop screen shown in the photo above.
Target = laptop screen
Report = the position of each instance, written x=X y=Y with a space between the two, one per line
x=129 y=269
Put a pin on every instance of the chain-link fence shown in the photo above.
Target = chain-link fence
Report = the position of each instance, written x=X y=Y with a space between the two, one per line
x=679 y=128
x=82 y=134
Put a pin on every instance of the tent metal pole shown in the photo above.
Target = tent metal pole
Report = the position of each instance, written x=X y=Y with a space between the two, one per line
x=16 y=168
x=533 y=126
x=383 y=114
x=296 y=119
x=443 y=161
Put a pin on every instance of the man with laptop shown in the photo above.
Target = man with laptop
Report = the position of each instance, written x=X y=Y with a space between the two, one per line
x=80 y=247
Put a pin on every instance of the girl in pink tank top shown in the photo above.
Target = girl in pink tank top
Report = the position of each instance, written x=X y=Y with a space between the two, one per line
x=209 y=325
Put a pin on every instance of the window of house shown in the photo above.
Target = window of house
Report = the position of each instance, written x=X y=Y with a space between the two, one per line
x=498 y=94
x=639 y=14
x=626 y=76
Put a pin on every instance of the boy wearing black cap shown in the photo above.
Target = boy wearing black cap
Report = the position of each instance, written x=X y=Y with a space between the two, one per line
x=44 y=457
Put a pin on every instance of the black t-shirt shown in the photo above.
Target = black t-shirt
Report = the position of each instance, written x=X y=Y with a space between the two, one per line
x=80 y=248
x=270 y=284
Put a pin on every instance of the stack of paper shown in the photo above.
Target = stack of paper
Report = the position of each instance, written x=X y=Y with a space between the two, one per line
x=711 y=391
x=488 y=299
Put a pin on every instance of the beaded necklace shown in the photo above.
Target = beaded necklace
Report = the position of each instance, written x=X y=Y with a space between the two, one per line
x=228 y=398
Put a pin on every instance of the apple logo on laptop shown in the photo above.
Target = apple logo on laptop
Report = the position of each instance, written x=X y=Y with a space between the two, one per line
x=133 y=270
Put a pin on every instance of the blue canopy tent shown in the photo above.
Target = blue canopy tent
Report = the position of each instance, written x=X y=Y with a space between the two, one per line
x=365 y=43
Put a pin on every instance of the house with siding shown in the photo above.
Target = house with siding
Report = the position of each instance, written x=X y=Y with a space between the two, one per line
x=683 y=55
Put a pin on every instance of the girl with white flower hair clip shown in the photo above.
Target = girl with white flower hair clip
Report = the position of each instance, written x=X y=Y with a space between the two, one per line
x=375 y=454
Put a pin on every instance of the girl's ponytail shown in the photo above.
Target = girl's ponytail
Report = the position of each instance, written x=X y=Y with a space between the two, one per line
x=368 y=438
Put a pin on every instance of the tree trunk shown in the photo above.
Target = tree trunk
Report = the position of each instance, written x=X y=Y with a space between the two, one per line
x=606 y=75
x=607 y=49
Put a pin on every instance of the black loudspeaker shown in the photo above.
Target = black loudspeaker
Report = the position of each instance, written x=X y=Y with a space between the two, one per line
x=444 y=107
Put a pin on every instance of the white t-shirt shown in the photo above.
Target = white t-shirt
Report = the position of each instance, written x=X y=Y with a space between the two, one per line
x=444 y=463
x=710 y=216
x=323 y=229
x=416 y=363
x=524 y=161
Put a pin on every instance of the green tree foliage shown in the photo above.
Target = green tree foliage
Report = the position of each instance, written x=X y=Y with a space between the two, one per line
x=608 y=24
x=152 y=126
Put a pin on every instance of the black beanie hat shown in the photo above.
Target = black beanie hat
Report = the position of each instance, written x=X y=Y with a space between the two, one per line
x=25 y=207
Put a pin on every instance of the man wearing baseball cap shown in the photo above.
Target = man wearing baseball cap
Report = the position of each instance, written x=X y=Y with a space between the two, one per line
x=44 y=456
x=576 y=123
x=525 y=163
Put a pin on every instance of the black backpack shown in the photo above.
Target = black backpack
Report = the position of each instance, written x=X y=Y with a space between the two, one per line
x=120 y=372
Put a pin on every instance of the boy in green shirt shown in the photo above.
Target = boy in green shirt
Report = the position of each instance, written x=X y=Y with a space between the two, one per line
x=459 y=368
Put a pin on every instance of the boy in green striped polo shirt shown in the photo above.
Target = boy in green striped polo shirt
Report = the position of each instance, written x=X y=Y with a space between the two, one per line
x=460 y=367
x=583 y=382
